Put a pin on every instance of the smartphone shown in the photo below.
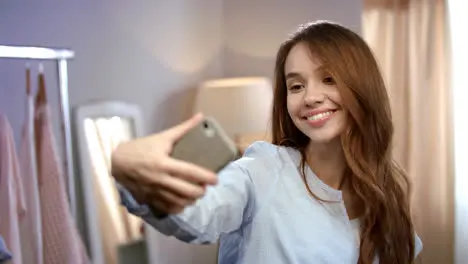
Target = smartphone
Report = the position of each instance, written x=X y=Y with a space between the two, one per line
x=206 y=145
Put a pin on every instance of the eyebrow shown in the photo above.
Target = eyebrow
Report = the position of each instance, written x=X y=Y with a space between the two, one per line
x=291 y=75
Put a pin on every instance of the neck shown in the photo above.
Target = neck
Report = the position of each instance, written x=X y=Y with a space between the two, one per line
x=327 y=161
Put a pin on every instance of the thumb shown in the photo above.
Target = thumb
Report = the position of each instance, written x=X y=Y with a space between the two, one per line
x=176 y=132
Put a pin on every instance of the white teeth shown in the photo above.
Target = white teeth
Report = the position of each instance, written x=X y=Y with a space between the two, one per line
x=319 y=116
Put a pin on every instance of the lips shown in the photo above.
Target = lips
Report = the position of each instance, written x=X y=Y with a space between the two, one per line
x=318 y=118
x=318 y=113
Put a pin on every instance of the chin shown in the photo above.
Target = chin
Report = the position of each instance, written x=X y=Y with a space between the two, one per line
x=323 y=138
x=326 y=132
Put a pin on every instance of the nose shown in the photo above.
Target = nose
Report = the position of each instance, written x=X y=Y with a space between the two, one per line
x=313 y=96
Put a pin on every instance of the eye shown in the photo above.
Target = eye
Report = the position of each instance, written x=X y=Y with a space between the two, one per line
x=295 y=87
x=329 y=80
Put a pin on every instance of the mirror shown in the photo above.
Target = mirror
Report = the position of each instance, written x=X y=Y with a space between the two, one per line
x=112 y=234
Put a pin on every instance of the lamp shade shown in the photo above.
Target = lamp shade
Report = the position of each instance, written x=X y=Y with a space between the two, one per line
x=240 y=105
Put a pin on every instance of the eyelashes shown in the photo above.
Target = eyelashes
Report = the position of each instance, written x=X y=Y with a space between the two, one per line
x=298 y=86
x=329 y=81
x=295 y=87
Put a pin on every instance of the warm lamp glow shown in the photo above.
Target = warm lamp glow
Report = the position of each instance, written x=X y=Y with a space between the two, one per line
x=240 y=105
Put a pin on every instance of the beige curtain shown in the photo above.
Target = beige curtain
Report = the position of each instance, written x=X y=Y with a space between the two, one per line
x=410 y=40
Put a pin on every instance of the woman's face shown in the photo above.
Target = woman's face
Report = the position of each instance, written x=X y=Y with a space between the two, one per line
x=313 y=100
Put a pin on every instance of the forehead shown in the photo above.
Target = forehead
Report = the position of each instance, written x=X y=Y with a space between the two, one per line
x=300 y=59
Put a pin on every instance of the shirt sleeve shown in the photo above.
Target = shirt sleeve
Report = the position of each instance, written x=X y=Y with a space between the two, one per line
x=223 y=208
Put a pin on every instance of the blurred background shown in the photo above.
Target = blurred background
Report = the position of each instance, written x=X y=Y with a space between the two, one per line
x=138 y=67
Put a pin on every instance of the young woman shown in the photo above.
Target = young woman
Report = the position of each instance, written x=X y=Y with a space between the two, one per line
x=325 y=191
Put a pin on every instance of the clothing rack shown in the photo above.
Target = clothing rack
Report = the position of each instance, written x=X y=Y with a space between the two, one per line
x=61 y=56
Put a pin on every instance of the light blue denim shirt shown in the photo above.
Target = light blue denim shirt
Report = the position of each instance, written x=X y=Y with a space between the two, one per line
x=261 y=212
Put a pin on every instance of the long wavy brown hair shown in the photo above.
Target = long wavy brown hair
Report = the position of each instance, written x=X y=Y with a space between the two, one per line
x=377 y=182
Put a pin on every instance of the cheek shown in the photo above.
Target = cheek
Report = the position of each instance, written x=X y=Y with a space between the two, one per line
x=293 y=104
x=289 y=106
x=343 y=120
x=292 y=111
x=335 y=96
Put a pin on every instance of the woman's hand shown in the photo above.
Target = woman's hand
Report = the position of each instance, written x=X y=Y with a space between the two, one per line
x=144 y=167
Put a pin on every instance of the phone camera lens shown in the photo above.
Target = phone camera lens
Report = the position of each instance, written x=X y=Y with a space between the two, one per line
x=209 y=132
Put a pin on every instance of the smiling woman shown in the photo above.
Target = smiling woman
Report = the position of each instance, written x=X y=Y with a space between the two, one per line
x=313 y=98
x=355 y=141
x=324 y=191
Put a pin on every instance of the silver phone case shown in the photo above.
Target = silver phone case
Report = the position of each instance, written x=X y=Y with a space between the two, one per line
x=206 y=145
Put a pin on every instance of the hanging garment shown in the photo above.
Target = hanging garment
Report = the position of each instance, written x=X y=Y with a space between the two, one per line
x=12 y=204
x=4 y=252
x=61 y=240
x=30 y=227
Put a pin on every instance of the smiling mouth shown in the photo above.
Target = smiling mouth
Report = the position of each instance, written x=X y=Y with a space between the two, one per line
x=320 y=116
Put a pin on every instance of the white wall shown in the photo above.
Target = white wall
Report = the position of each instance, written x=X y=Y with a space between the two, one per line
x=137 y=51
x=153 y=53
x=254 y=30
x=459 y=42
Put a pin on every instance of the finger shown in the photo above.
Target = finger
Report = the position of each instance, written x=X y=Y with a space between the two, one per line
x=189 y=172
x=164 y=207
x=135 y=190
x=180 y=187
x=176 y=132
x=160 y=206
x=172 y=198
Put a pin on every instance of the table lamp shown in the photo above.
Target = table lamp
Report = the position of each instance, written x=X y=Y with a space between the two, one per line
x=242 y=107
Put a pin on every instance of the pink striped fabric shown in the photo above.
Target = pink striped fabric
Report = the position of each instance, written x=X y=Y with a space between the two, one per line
x=30 y=227
x=12 y=204
x=61 y=240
